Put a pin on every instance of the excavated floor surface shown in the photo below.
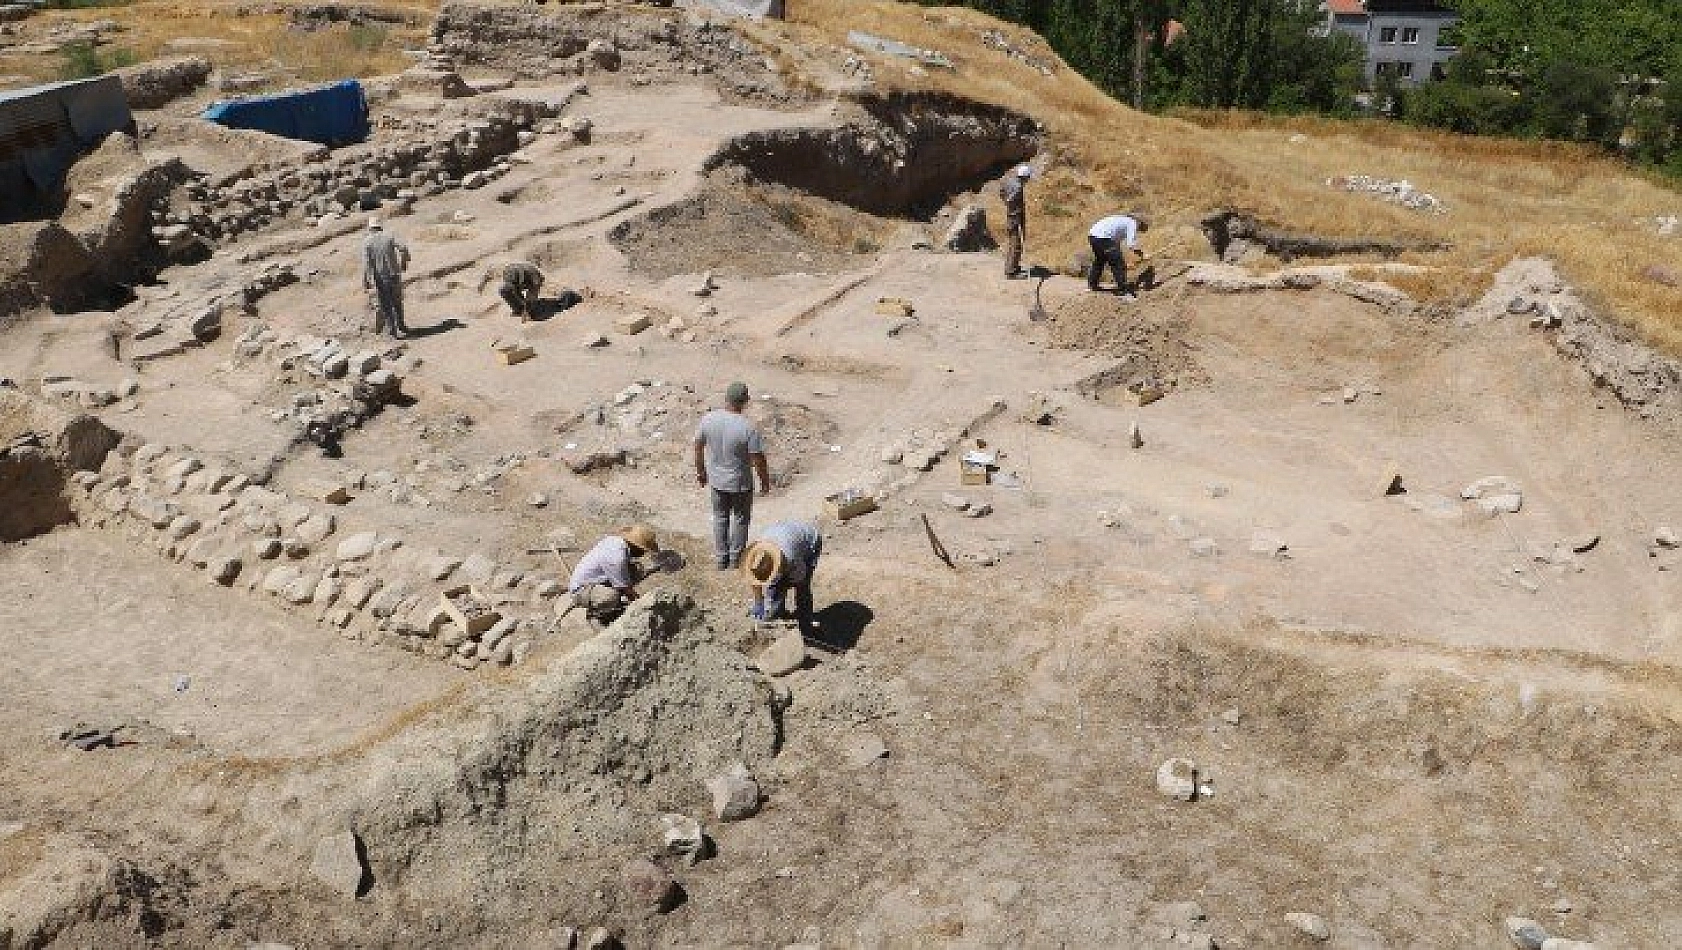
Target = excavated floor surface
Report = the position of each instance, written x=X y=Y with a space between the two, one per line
x=1411 y=725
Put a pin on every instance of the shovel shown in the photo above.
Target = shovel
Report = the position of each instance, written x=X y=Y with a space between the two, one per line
x=1036 y=313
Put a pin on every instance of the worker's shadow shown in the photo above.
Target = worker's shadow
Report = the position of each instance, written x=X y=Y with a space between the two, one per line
x=545 y=307
x=840 y=625
x=443 y=326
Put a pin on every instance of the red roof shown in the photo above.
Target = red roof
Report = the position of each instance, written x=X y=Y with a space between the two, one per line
x=1347 y=7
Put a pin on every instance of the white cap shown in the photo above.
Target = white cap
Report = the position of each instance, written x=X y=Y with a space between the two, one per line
x=374 y=223
x=1024 y=171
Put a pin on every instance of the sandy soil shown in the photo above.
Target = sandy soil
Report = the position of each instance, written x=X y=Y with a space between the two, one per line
x=1412 y=727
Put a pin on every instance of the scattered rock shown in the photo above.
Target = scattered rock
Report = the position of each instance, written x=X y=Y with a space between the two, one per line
x=1525 y=933
x=1560 y=943
x=599 y=938
x=357 y=547
x=1268 y=544
x=1506 y=504
x=969 y=231
x=1582 y=543
x=1204 y=547
x=1310 y=925
x=339 y=863
x=735 y=794
x=224 y=570
x=1177 y=778
x=649 y=886
x=785 y=655
x=863 y=749
x=1232 y=717
x=955 y=502
x=1665 y=538
x=1135 y=438
x=683 y=837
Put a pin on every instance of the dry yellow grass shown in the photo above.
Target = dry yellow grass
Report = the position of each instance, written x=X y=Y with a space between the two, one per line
x=1506 y=198
x=241 y=40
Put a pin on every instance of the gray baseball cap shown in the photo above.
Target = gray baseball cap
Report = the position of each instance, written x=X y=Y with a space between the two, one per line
x=736 y=394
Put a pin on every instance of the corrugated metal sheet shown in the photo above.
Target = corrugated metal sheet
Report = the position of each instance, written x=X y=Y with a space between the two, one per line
x=43 y=129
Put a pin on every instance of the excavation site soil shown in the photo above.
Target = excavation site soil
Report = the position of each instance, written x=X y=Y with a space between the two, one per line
x=1286 y=609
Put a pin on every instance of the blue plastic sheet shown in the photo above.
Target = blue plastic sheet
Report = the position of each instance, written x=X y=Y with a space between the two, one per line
x=329 y=115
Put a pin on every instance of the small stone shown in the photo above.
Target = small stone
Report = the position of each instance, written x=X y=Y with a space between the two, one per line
x=785 y=655
x=893 y=455
x=735 y=794
x=1312 y=926
x=1525 y=933
x=538 y=500
x=1268 y=544
x=979 y=511
x=599 y=938
x=649 y=886
x=224 y=570
x=864 y=749
x=441 y=567
x=1582 y=543
x=323 y=490
x=1504 y=504
x=682 y=836
x=1562 y=906
x=1135 y=438
x=1204 y=547
x=340 y=865
x=280 y=578
x=315 y=529
x=1664 y=537
x=183 y=468
x=1232 y=717
x=955 y=502
x=1560 y=943
x=1177 y=778
x=266 y=549
x=357 y=547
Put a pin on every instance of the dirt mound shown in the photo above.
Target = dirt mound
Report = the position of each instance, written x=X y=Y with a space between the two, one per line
x=1147 y=336
x=39 y=448
x=742 y=230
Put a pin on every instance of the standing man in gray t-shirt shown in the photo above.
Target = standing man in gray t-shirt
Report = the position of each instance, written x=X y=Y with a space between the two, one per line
x=728 y=454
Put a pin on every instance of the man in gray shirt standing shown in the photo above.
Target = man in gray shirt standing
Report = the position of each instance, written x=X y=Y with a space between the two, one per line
x=384 y=258
x=729 y=452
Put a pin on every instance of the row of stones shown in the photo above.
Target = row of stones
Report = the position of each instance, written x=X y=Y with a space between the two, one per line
x=368 y=586
x=467 y=155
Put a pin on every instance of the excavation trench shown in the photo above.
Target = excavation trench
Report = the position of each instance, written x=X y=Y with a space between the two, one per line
x=817 y=192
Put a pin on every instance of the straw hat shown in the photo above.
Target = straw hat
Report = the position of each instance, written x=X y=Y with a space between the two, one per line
x=762 y=562
x=642 y=536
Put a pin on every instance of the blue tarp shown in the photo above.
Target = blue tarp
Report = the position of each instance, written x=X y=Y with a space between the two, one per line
x=330 y=115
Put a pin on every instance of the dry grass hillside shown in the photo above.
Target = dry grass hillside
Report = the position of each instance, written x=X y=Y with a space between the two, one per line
x=1505 y=198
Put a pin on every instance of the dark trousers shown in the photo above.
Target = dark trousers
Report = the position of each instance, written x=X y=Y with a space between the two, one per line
x=388 y=307
x=1016 y=226
x=1106 y=251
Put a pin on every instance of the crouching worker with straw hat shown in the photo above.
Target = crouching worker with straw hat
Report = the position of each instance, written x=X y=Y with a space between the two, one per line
x=785 y=557
x=605 y=580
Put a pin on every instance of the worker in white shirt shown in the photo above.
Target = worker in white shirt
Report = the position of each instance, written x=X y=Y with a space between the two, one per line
x=1107 y=238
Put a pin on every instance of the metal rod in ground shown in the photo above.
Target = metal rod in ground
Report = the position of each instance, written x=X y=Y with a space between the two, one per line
x=934 y=542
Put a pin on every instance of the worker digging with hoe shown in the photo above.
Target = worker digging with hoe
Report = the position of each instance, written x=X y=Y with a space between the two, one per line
x=384 y=258
x=729 y=452
x=1014 y=192
x=785 y=557
x=605 y=581
x=1107 y=239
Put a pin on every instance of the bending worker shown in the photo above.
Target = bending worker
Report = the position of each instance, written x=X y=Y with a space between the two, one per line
x=605 y=580
x=1107 y=238
x=521 y=282
x=785 y=556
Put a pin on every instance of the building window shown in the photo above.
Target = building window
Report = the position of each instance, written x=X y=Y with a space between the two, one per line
x=1410 y=34
x=1438 y=72
x=1384 y=69
x=1405 y=70
x=1387 y=35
